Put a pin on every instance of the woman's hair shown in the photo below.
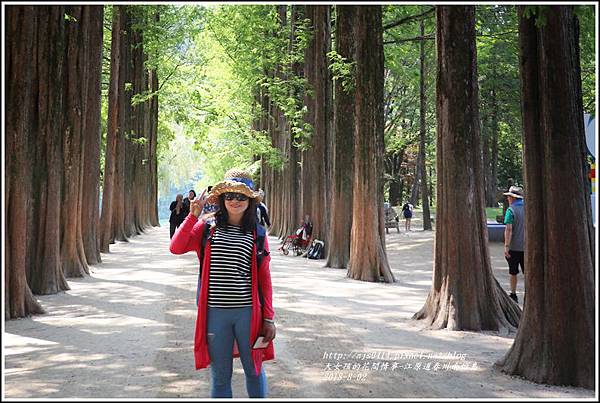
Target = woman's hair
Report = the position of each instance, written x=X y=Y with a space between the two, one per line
x=192 y=191
x=248 y=219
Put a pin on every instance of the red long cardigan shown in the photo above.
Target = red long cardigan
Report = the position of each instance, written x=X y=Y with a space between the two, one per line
x=188 y=238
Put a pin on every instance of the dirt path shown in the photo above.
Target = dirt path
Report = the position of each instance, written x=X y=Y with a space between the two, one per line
x=127 y=332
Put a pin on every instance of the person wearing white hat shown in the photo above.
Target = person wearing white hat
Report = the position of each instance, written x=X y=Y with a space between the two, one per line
x=514 y=237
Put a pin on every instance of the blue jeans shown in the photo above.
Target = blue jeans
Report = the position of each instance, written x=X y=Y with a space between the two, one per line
x=223 y=325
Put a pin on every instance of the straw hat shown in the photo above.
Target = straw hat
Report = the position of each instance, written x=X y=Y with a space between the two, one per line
x=515 y=191
x=236 y=181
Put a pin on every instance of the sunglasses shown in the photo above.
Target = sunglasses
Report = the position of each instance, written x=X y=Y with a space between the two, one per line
x=237 y=196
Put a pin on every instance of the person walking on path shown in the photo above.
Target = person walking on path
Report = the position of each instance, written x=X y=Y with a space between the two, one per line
x=186 y=202
x=235 y=299
x=407 y=212
x=514 y=237
x=262 y=211
x=177 y=213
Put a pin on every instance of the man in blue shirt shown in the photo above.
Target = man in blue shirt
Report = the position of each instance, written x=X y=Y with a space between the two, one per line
x=514 y=237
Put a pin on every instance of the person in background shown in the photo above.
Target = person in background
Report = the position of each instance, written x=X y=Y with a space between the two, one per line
x=186 y=202
x=305 y=229
x=235 y=300
x=407 y=212
x=262 y=211
x=177 y=213
x=514 y=237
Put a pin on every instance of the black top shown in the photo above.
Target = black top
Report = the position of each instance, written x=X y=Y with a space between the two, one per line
x=186 y=206
x=177 y=218
x=264 y=215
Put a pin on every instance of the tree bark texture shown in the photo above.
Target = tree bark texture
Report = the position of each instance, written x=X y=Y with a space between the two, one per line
x=21 y=26
x=73 y=260
x=422 y=133
x=51 y=78
x=415 y=187
x=137 y=173
x=314 y=172
x=153 y=143
x=555 y=342
x=340 y=210
x=293 y=177
x=130 y=185
x=280 y=139
x=464 y=294
x=124 y=126
x=153 y=157
x=108 y=202
x=90 y=213
x=368 y=259
x=45 y=265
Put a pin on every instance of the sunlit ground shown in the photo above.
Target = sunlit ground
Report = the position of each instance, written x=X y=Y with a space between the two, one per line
x=127 y=332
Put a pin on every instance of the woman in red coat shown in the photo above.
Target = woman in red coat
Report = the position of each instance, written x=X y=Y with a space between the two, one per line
x=232 y=319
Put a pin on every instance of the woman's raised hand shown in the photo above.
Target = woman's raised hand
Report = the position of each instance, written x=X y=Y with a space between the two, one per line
x=197 y=204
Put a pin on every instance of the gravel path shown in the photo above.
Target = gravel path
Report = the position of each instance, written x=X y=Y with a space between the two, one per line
x=127 y=332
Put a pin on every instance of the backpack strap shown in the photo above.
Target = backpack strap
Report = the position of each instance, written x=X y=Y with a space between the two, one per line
x=207 y=234
x=261 y=233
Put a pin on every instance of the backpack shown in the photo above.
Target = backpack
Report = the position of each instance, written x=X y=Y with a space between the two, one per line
x=260 y=253
x=316 y=250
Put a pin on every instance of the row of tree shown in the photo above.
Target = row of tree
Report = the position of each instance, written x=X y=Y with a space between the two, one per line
x=53 y=138
x=337 y=178
x=325 y=113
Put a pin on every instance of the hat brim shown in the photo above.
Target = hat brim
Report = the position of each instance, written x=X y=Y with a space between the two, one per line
x=513 y=195
x=229 y=186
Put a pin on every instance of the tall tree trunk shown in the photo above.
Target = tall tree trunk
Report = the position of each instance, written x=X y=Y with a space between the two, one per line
x=124 y=126
x=137 y=169
x=21 y=25
x=340 y=211
x=493 y=183
x=93 y=133
x=485 y=156
x=393 y=168
x=368 y=260
x=314 y=165
x=464 y=294
x=294 y=175
x=431 y=203
x=394 y=193
x=422 y=133
x=74 y=264
x=45 y=268
x=416 y=183
x=555 y=342
x=309 y=117
x=108 y=202
x=491 y=172
x=153 y=158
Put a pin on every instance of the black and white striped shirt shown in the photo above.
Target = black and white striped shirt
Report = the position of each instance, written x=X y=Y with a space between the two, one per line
x=230 y=262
